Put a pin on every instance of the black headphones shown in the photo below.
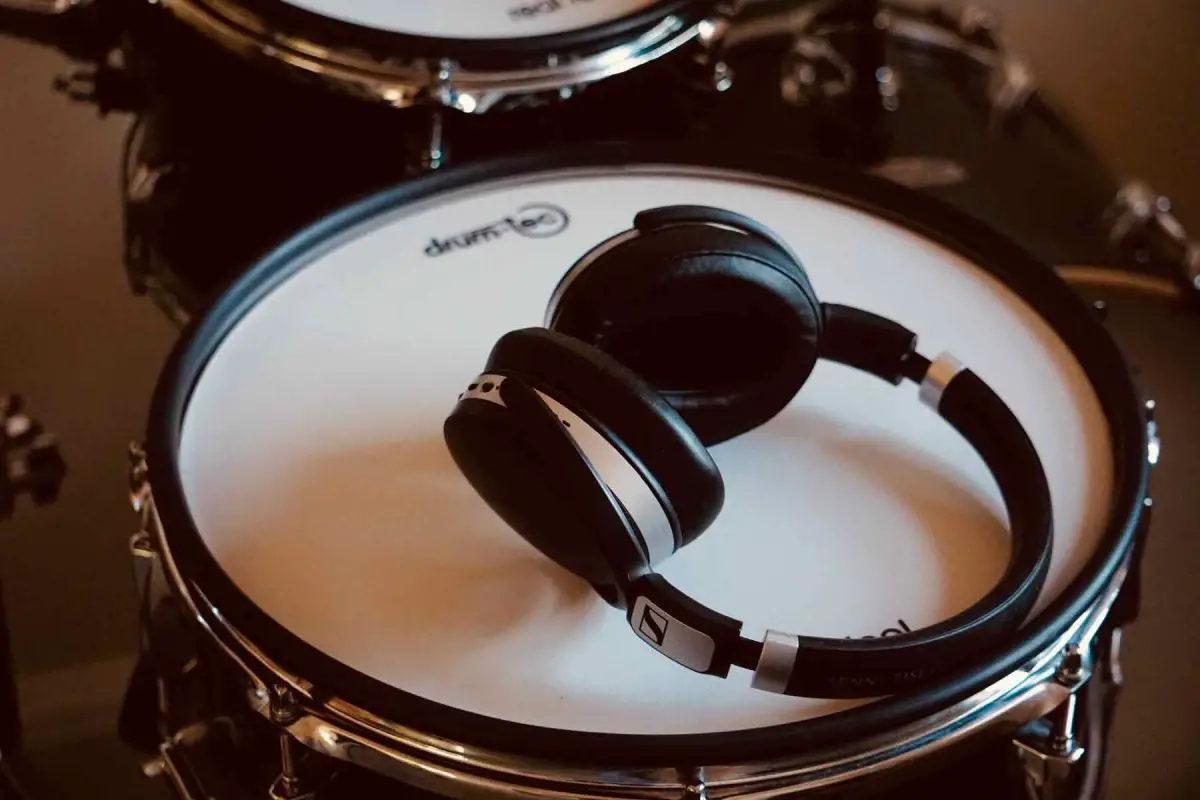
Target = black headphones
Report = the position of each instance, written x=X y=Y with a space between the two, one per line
x=589 y=438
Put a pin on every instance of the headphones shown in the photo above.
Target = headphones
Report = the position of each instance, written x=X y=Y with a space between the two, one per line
x=589 y=438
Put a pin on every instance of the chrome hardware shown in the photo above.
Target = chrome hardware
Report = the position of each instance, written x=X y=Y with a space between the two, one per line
x=1116 y=674
x=941 y=372
x=921 y=172
x=1049 y=760
x=143 y=180
x=168 y=763
x=1074 y=669
x=281 y=705
x=141 y=545
x=722 y=77
x=139 y=485
x=974 y=20
x=695 y=791
x=711 y=33
x=1010 y=86
x=77 y=83
x=1153 y=443
x=288 y=785
x=49 y=7
x=1137 y=210
x=435 y=154
x=401 y=83
x=814 y=70
x=889 y=83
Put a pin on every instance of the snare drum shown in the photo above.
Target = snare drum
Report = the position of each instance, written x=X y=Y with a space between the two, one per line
x=302 y=507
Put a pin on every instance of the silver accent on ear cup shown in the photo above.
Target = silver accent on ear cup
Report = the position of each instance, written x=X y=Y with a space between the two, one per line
x=624 y=480
x=622 y=477
x=941 y=372
x=477 y=390
x=578 y=268
x=776 y=662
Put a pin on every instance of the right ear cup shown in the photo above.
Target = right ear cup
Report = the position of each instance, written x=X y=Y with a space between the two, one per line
x=627 y=410
x=724 y=324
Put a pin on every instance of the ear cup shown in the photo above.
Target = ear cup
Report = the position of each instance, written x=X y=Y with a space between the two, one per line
x=724 y=325
x=630 y=414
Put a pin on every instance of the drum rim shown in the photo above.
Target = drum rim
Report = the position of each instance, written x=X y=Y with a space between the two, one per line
x=1066 y=313
x=497 y=53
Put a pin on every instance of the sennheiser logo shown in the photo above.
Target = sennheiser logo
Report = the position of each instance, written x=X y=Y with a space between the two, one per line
x=653 y=625
x=533 y=220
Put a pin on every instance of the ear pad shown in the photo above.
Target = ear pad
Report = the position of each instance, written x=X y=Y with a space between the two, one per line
x=623 y=407
x=724 y=325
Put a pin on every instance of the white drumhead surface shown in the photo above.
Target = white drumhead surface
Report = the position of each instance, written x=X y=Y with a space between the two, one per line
x=315 y=469
x=476 y=19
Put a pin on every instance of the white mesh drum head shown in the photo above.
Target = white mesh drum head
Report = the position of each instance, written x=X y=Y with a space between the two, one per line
x=477 y=19
x=314 y=466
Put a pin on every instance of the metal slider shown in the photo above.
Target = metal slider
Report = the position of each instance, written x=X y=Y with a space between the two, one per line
x=485 y=387
x=941 y=372
x=776 y=662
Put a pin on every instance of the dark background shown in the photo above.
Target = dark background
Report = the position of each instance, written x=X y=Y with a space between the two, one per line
x=85 y=352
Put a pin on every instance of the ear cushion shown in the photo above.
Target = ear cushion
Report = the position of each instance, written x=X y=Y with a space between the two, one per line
x=724 y=325
x=626 y=410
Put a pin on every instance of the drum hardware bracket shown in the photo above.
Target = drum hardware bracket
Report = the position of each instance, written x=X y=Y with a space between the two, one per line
x=1139 y=210
x=1153 y=442
x=288 y=786
x=1050 y=758
x=1115 y=672
x=802 y=84
x=710 y=34
x=281 y=705
x=1011 y=85
x=143 y=181
x=139 y=477
x=694 y=786
x=889 y=84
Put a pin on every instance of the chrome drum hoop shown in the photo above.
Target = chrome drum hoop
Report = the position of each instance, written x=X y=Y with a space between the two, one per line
x=349 y=733
x=404 y=82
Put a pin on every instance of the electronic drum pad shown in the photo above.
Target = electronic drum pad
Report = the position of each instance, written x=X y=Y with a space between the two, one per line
x=308 y=501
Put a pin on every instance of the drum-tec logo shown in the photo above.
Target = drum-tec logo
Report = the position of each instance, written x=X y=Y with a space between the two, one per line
x=532 y=220
x=653 y=625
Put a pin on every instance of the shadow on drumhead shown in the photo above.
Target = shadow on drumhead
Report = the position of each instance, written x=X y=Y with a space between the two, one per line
x=881 y=528
x=384 y=552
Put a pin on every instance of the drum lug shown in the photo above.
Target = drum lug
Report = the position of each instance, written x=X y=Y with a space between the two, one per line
x=1011 y=85
x=288 y=786
x=1048 y=755
x=803 y=81
x=139 y=484
x=707 y=71
x=1050 y=758
x=141 y=545
x=1138 y=213
x=694 y=786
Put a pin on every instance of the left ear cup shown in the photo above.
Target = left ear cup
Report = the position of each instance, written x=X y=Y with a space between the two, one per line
x=626 y=410
x=724 y=325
